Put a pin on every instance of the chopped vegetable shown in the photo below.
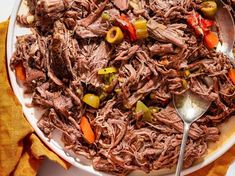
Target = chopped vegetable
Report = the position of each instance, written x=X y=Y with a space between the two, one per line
x=211 y=40
x=185 y=83
x=209 y=8
x=187 y=72
x=114 y=35
x=206 y=24
x=164 y=62
x=141 y=28
x=118 y=91
x=107 y=70
x=142 y=108
x=112 y=77
x=231 y=75
x=193 y=19
x=20 y=72
x=193 y=22
x=184 y=73
x=128 y=27
x=199 y=24
x=79 y=91
x=201 y=27
x=105 y=87
x=87 y=130
x=108 y=78
x=108 y=74
x=92 y=100
x=30 y=19
x=105 y=16
x=154 y=109
x=102 y=96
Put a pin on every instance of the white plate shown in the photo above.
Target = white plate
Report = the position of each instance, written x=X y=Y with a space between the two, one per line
x=227 y=138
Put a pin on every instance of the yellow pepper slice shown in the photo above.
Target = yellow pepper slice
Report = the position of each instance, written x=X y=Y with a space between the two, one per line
x=114 y=35
x=142 y=108
x=141 y=28
x=92 y=100
x=107 y=70
x=209 y=8
x=185 y=83
x=187 y=72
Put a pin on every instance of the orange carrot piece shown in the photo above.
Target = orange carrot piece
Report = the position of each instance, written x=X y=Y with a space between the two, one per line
x=87 y=130
x=211 y=40
x=231 y=75
x=20 y=72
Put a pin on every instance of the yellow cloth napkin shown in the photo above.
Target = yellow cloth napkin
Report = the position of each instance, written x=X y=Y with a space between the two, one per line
x=21 y=152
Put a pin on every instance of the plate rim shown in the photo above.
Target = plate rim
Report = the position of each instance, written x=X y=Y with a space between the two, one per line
x=88 y=168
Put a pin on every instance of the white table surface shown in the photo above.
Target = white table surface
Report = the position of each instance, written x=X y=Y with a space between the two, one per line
x=49 y=167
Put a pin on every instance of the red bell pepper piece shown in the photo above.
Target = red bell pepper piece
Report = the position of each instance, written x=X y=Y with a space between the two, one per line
x=200 y=25
x=207 y=23
x=128 y=27
x=193 y=19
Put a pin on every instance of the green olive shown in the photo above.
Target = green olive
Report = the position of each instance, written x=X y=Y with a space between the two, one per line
x=105 y=16
x=209 y=8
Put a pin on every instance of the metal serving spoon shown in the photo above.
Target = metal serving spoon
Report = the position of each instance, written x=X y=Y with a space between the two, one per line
x=190 y=106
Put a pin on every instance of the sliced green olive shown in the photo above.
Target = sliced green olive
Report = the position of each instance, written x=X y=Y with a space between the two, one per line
x=114 y=35
x=209 y=8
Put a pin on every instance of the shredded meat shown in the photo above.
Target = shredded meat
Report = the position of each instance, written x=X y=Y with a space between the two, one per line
x=67 y=48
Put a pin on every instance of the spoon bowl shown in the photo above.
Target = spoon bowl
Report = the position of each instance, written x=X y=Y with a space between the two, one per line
x=190 y=106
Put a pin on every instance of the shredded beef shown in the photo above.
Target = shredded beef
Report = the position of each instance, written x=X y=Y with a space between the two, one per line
x=67 y=48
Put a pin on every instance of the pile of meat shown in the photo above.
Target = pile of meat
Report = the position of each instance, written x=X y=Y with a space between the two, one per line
x=66 y=49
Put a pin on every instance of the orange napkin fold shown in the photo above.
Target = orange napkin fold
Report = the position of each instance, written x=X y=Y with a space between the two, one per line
x=219 y=167
x=21 y=151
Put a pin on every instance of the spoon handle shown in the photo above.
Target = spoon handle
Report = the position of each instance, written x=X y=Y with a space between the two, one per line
x=182 y=149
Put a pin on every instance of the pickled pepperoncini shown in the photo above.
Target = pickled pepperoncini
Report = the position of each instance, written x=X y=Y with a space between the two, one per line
x=107 y=70
x=141 y=28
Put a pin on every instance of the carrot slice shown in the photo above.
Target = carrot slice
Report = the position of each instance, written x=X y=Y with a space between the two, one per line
x=211 y=40
x=20 y=72
x=87 y=130
x=231 y=74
